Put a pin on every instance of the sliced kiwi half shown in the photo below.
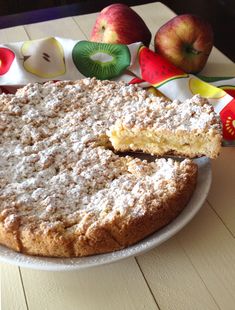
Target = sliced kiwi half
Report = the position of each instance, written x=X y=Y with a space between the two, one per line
x=101 y=60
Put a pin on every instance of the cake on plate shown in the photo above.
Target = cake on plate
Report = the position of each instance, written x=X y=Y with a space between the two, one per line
x=64 y=191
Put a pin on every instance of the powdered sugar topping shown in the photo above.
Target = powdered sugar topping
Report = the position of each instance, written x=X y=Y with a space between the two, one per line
x=54 y=168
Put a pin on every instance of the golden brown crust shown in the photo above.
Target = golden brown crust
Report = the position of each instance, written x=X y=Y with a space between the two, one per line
x=9 y=238
x=106 y=236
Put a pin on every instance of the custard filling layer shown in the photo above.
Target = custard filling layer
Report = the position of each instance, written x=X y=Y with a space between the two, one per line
x=159 y=142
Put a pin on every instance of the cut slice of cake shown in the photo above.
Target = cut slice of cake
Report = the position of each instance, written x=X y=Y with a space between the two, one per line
x=190 y=129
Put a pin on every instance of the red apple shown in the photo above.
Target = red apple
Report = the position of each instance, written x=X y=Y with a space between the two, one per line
x=117 y=23
x=6 y=59
x=186 y=41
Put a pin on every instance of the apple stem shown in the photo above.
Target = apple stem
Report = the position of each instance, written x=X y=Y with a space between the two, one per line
x=191 y=50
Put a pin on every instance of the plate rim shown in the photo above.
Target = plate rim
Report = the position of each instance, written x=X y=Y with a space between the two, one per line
x=70 y=264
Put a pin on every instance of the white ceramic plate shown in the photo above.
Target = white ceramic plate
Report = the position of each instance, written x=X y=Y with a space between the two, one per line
x=58 y=264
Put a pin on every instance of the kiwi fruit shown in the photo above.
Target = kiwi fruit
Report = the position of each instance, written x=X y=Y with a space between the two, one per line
x=101 y=60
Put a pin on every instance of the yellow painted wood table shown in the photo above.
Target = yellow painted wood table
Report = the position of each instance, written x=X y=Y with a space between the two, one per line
x=193 y=270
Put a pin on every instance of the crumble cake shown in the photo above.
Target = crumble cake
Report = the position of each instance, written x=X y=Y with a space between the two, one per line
x=63 y=193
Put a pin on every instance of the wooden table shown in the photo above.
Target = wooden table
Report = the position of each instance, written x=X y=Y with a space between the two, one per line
x=193 y=270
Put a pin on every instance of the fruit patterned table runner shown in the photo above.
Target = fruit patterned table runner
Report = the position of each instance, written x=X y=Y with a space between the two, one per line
x=55 y=58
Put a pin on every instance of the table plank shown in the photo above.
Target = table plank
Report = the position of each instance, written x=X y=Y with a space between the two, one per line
x=154 y=15
x=218 y=65
x=115 y=286
x=13 y=34
x=173 y=280
x=63 y=27
x=205 y=267
x=222 y=193
x=86 y=23
x=12 y=292
x=211 y=249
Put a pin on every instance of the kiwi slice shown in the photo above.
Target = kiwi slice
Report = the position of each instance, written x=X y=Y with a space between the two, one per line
x=101 y=60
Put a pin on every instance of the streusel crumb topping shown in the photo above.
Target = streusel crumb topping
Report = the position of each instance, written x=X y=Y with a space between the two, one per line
x=54 y=169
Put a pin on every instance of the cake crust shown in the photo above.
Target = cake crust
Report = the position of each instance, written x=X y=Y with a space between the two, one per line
x=112 y=227
x=63 y=193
